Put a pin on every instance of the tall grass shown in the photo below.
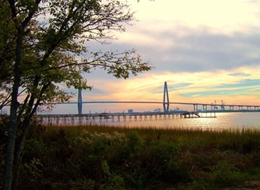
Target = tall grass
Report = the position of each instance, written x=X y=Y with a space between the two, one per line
x=219 y=158
x=102 y=157
x=226 y=138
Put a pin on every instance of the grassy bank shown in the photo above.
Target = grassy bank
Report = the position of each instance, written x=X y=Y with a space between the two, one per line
x=96 y=157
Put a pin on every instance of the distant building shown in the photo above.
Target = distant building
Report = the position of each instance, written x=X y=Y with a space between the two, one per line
x=176 y=109
x=130 y=111
x=157 y=110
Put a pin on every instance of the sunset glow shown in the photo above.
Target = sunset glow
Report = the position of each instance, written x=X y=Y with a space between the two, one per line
x=207 y=51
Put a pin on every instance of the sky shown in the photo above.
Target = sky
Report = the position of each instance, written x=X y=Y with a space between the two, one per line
x=207 y=51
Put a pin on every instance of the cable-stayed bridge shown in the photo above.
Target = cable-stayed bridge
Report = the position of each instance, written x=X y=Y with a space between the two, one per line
x=166 y=103
x=199 y=110
x=197 y=107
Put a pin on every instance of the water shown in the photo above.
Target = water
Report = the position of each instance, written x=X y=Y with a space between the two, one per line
x=223 y=121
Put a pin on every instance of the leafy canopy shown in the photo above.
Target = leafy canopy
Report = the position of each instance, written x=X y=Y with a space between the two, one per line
x=54 y=41
x=43 y=44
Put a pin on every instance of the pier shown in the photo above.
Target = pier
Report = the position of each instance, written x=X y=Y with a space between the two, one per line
x=80 y=119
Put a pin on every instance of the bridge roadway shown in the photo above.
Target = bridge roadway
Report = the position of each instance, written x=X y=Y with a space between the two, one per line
x=230 y=107
x=153 y=102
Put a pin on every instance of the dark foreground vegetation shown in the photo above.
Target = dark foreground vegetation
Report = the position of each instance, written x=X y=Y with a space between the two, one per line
x=96 y=157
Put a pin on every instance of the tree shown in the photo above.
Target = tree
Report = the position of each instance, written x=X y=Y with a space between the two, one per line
x=41 y=42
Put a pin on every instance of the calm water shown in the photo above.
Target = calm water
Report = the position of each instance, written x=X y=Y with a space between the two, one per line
x=223 y=121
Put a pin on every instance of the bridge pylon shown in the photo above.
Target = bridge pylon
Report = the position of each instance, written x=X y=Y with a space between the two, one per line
x=166 y=101
x=79 y=102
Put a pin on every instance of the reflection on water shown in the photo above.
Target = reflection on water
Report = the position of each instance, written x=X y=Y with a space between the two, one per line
x=223 y=121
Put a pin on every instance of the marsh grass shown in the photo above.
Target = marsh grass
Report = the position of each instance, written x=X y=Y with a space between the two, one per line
x=102 y=157
x=247 y=139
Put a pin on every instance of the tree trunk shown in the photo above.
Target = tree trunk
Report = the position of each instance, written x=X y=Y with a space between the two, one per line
x=8 y=173
x=7 y=184
x=10 y=148
x=18 y=153
x=31 y=109
x=20 y=144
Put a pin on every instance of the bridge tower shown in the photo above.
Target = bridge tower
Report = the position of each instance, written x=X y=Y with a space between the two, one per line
x=166 y=102
x=79 y=102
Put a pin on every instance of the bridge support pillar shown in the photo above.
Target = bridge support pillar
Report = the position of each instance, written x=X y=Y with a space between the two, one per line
x=195 y=107
x=166 y=102
x=79 y=102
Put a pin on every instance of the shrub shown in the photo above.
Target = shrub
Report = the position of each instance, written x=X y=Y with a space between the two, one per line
x=225 y=174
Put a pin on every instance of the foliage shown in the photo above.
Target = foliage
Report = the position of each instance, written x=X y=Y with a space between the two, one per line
x=43 y=47
x=225 y=174
x=53 y=39
x=122 y=158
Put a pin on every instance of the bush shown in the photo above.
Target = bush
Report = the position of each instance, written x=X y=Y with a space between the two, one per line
x=135 y=159
x=225 y=174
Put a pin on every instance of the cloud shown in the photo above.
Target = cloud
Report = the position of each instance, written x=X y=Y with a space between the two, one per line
x=205 y=50
x=239 y=74
x=195 y=51
x=246 y=83
x=226 y=16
